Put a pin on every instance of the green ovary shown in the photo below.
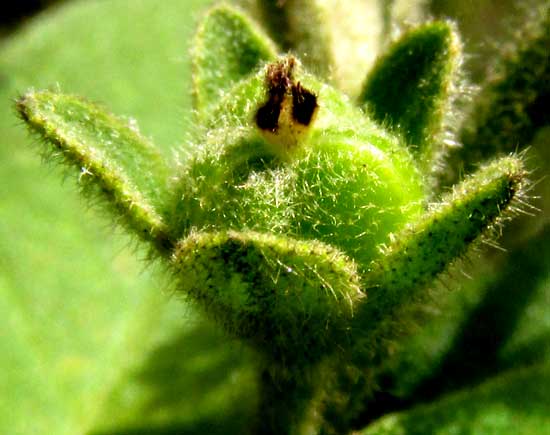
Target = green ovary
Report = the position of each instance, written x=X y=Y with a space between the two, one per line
x=349 y=184
x=345 y=193
x=351 y=195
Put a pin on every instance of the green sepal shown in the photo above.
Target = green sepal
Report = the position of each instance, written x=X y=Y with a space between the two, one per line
x=423 y=250
x=409 y=88
x=398 y=281
x=115 y=163
x=292 y=299
x=227 y=47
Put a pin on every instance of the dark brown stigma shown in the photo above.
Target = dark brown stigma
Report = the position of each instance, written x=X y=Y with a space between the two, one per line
x=304 y=104
x=280 y=82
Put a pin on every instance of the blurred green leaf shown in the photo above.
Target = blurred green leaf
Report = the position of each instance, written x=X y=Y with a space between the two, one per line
x=513 y=105
x=77 y=314
x=516 y=402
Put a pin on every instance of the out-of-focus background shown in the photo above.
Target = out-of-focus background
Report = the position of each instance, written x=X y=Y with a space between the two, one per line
x=93 y=340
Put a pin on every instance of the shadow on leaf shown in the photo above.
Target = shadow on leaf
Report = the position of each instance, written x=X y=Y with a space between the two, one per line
x=198 y=381
x=475 y=353
x=514 y=400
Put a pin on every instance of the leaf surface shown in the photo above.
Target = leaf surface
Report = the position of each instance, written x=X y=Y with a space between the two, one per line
x=513 y=403
x=79 y=313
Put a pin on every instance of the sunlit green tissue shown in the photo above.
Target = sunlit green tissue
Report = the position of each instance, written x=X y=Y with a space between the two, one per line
x=299 y=222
